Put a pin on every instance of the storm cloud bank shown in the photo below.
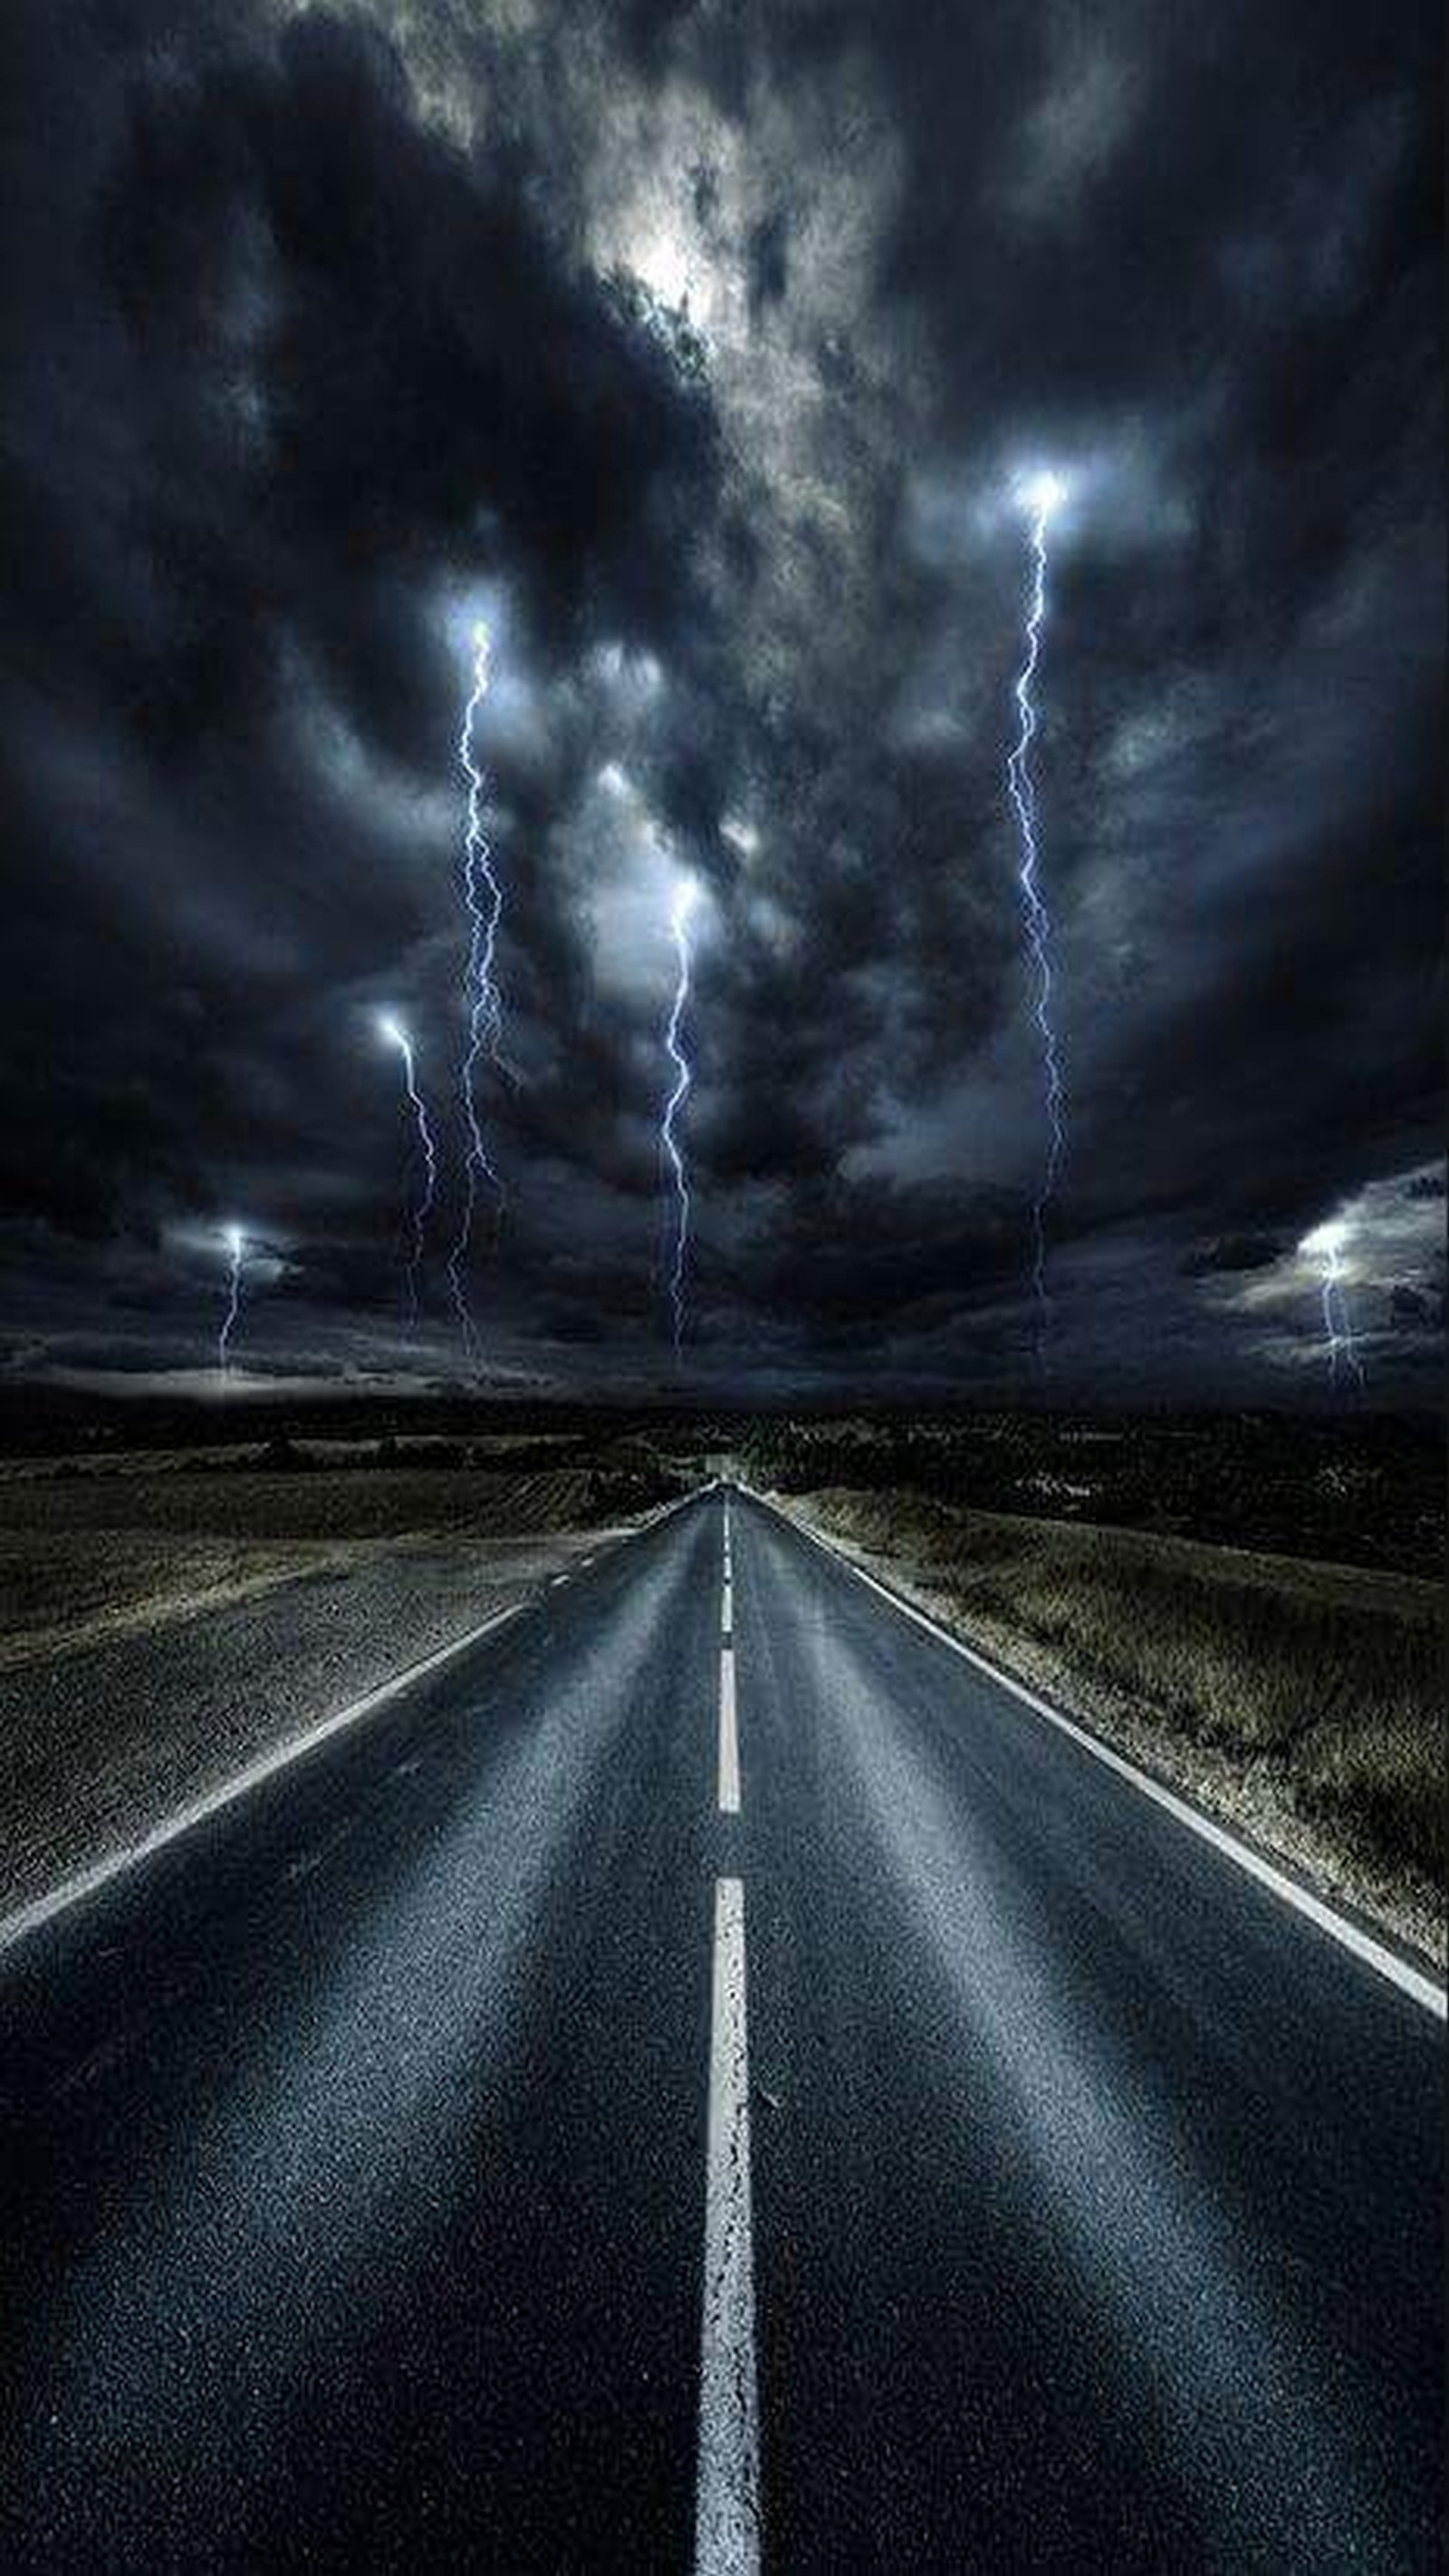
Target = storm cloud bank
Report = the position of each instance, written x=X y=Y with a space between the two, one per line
x=699 y=351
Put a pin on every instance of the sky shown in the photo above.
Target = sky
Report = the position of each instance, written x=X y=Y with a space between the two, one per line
x=703 y=354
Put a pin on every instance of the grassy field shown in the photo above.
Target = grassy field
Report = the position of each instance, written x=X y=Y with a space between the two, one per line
x=148 y=1537
x=1302 y=1700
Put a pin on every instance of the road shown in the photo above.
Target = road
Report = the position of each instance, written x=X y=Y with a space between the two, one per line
x=708 y=2077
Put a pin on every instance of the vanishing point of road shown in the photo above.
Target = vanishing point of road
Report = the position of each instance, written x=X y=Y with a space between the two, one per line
x=707 y=2076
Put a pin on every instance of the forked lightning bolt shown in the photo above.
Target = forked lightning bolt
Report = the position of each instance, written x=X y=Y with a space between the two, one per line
x=686 y=895
x=1326 y=1245
x=483 y=903
x=1042 y=497
x=236 y=1254
x=396 y=1036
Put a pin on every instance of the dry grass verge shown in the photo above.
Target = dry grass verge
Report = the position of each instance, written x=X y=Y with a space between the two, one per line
x=85 y=1558
x=1302 y=1702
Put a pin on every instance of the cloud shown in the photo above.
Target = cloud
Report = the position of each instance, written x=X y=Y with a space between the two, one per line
x=332 y=331
x=1233 y=1253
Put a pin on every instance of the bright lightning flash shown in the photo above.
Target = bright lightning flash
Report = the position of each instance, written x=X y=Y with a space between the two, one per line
x=1041 y=496
x=236 y=1254
x=686 y=896
x=396 y=1036
x=1326 y=1245
x=482 y=896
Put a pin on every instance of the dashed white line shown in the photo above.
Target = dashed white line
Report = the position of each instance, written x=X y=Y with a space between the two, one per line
x=727 y=2502
x=729 y=1736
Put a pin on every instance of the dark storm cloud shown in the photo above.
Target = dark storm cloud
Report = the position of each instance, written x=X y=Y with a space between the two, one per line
x=292 y=355
x=1233 y=1252
x=1411 y=1306
x=701 y=355
x=768 y=251
x=369 y=358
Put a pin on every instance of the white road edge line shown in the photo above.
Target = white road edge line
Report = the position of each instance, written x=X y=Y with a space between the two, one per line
x=43 y=1909
x=727 y=2497
x=729 y=1736
x=1412 y=1981
x=87 y=1882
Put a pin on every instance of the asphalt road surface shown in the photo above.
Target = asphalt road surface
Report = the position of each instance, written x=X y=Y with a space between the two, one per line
x=707 y=2077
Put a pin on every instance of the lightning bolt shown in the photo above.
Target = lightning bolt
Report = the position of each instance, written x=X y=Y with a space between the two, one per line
x=1326 y=1245
x=235 y=1253
x=1042 y=497
x=482 y=897
x=686 y=895
x=396 y=1036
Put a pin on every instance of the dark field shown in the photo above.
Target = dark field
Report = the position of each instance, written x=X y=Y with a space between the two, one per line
x=1352 y=1490
x=1349 y=1488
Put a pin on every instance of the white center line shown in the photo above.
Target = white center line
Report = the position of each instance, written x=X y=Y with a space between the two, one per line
x=727 y=2504
x=729 y=1736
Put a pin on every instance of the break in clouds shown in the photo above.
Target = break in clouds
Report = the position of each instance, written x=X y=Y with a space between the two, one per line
x=699 y=352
